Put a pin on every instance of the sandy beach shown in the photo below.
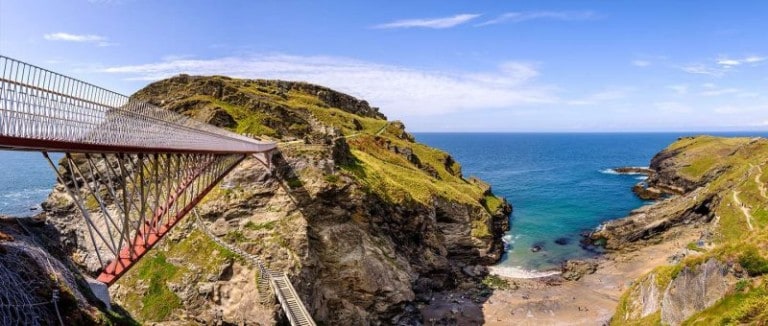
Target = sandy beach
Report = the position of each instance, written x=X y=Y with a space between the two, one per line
x=591 y=300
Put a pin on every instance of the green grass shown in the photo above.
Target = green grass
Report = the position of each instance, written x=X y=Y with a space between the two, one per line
x=753 y=262
x=695 y=247
x=699 y=167
x=331 y=178
x=738 y=308
x=201 y=258
x=235 y=236
x=665 y=274
x=158 y=302
x=733 y=242
x=495 y=282
x=492 y=203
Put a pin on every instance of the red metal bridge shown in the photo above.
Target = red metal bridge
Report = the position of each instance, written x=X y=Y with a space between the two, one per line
x=132 y=169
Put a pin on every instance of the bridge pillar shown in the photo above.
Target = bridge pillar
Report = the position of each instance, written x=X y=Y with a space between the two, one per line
x=100 y=290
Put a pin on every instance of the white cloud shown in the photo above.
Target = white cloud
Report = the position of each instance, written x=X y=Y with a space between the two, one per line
x=701 y=69
x=399 y=91
x=517 y=17
x=74 y=37
x=722 y=65
x=436 y=23
x=641 y=63
x=728 y=62
x=78 y=38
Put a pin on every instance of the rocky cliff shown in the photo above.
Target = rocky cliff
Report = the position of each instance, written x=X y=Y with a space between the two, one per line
x=39 y=285
x=717 y=190
x=369 y=224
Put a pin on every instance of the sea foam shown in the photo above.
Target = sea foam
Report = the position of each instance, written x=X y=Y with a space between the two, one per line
x=519 y=272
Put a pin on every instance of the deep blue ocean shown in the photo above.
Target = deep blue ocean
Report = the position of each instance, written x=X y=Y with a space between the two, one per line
x=560 y=185
x=26 y=179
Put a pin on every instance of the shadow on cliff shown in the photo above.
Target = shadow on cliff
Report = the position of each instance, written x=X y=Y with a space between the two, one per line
x=50 y=238
x=448 y=288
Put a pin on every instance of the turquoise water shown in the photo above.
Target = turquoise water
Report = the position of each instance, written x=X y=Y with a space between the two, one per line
x=559 y=184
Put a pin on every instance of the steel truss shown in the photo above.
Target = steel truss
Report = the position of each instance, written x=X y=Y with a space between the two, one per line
x=130 y=201
x=133 y=169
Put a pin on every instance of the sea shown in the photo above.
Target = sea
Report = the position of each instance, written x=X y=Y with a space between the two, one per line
x=560 y=185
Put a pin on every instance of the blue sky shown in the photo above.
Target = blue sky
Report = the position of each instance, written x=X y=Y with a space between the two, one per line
x=502 y=66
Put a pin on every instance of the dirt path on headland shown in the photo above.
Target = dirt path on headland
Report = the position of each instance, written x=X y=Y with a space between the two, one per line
x=760 y=185
x=744 y=209
x=589 y=301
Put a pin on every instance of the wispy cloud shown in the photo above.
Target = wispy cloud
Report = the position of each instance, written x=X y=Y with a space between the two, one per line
x=722 y=65
x=711 y=90
x=702 y=69
x=78 y=38
x=729 y=62
x=517 y=17
x=400 y=91
x=641 y=63
x=435 y=23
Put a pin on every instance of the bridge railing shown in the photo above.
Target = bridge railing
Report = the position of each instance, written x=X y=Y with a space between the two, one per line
x=44 y=110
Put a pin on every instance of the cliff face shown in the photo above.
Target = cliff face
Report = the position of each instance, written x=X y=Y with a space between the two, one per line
x=721 y=277
x=37 y=285
x=367 y=222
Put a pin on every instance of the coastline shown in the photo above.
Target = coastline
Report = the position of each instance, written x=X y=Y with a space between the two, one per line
x=547 y=297
x=591 y=300
x=515 y=272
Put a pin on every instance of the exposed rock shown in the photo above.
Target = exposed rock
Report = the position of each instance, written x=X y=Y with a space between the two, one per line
x=647 y=193
x=220 y=118
x=644 y=299
x=634 y=170
x=354 y=254
x=694 y=290
x=32 y=269
x=648 y=222
x=573 y=270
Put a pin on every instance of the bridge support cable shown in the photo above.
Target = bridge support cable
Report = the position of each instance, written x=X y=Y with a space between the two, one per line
x=130 y=201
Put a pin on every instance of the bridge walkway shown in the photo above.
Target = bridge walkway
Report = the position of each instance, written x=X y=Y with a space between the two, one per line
x=277 y=282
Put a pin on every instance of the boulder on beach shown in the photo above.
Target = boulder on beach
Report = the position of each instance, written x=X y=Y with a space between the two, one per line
x=573 y=270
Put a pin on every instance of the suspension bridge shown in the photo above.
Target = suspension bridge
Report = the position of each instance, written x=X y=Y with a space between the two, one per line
x=133 y=170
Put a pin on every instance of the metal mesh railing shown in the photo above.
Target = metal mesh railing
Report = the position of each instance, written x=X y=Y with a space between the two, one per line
x=44 y=110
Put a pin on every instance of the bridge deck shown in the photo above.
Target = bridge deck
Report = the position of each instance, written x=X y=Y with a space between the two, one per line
x=41 y=110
